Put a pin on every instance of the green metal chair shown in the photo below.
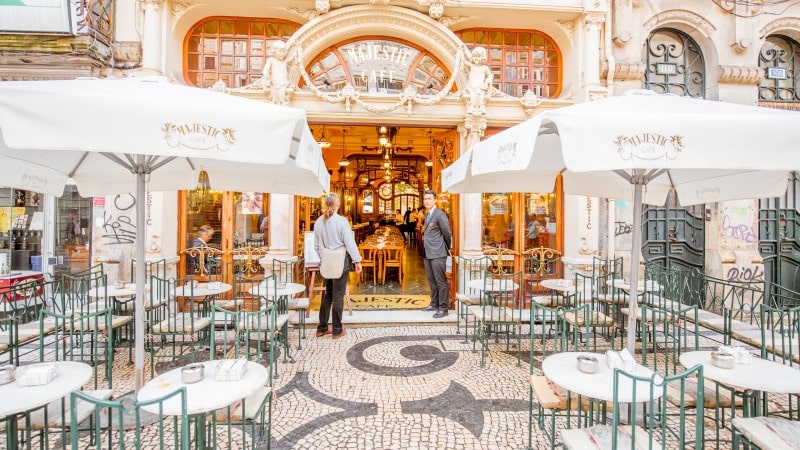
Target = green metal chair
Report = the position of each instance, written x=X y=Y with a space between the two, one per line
x=294 y=272
x=110 y=423
x=9 y=341
x=253 y=339
x=551 y=334
x=172 y=330
x=266 y=291
x=647 y=427
x=597 y=314
x=780 y=341
x=469 y=269
x=86 y=338
x=500 y=312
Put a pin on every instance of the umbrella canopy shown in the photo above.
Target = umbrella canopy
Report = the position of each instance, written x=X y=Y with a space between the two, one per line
x=639 y=147
x=117 y=136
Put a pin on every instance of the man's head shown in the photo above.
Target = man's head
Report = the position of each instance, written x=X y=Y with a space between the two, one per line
x=205 y=233
x=429 y=199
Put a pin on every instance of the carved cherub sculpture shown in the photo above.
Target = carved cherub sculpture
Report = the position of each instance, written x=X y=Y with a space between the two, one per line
x=275 y=76
x=479 y=83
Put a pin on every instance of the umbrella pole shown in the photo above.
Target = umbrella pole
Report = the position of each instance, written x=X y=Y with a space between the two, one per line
x=636 y=253
x=140 y=273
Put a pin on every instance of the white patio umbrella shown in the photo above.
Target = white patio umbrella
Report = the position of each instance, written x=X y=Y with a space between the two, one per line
x=639 y=148
x=137 y=134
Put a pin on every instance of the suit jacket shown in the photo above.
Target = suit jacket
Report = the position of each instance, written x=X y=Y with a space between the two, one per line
x=438 y=237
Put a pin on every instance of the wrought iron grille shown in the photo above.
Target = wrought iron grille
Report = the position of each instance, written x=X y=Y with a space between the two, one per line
x=779 y=60
x=674 y=64
x=779 y=235
x=97 y=18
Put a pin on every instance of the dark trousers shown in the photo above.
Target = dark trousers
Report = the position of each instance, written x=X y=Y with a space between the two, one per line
x=333 y=303
x=435 y=271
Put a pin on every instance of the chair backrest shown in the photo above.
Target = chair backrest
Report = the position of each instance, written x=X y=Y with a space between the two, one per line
x=502 y=259
x=551 y=333
x=471 y=269
x=289 y=271
x=9 y=335
x=78 y=337
x=258 y=331
x=780 y=334
x=157 y=268
x=369 y=254
x=267 y=291
x=124 y=429
x=77 y=293
x=659 y=430
x=246 y=260
x=201 y=260
x=542 y=262
x=607 y=266
x=225 y=339
x=164 y=293
x=667 y=334
x=24 y=300
x=394 y=255
x=502 y=295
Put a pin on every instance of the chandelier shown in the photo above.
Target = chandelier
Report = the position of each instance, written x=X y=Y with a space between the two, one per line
x=200 y=195
x=323 y=142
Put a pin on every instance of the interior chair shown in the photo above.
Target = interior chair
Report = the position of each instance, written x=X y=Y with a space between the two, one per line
x=170 y=330
x=500 y=312
x=393 y=259
x=551 y=334
x=294 y=272
x=469 y=270
x=109 y=422
x=369 y=260
x=647 y=427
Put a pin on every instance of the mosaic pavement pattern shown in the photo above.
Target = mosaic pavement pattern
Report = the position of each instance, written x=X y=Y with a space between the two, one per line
x=411 y=387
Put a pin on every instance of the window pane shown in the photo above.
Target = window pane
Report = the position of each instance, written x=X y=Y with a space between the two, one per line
x=227 y=47
x=226 y=27
x=211 y=27
x=242 y=28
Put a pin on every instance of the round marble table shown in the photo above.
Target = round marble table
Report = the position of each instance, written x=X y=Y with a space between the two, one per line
x=760 y=375
x=564 y=286
x=287 y=289
x=562 y=369
x=494 y=285
x=203 y=396
x=650 y=286
x=18 y=399
x=203 y=290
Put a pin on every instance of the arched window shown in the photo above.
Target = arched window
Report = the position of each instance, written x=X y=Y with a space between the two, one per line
x=231 y=49
x=779 y=59
x=674 y=64
x=520 y=60
x=378 y=65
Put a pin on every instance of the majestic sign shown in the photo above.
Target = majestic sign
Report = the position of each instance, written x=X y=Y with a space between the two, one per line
x=649 y=146
x=197 y=136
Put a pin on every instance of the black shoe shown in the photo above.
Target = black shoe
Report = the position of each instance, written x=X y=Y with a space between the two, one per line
x=439 y=314
x=430 y=308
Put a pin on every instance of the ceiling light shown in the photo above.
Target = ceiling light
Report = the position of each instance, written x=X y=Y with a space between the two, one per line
x=323 y=142
x=386 y=164
x=344 y=162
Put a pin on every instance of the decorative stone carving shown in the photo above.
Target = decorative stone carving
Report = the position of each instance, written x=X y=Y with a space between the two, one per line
x=479 y=83
x=309 y=14
x=275 y=76
x=475 y=126
x=385 y=2
x=629 y=70
x=530 y=101
x=568 y=26
x=126 y=54
x=221 y=87
x=448 y=21
x=177 y=10
x=155 y=4
x=747 y=75
x=697 y=21
x=436 y=9
x=322 y=6
x=784 y=23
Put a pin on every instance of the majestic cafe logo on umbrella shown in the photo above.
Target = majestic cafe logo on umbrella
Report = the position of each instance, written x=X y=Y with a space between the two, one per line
x=506 y=153
x=649 y=146
x=197 y=136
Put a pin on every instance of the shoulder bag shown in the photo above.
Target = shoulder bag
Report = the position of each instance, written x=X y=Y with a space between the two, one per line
x=331 y=264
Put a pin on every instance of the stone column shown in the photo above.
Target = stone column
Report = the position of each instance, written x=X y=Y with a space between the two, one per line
x=151 y=35
x=281 y=230
x=471 y=210
x=591 y=49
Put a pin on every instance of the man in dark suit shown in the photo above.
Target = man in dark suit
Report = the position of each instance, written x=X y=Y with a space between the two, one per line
x=437 y=239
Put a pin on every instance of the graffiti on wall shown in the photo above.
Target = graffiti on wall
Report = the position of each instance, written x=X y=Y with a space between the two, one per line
x=738 y=225
x=747 y=274
x=119 y=227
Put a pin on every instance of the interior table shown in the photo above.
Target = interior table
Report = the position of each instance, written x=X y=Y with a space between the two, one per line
x=204 y=396
x=19 y=399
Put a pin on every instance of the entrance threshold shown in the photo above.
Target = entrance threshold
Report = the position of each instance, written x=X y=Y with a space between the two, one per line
x=368 y=319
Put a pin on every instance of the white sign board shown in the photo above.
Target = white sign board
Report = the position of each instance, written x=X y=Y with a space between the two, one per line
x=310 y=253
x=45 y=16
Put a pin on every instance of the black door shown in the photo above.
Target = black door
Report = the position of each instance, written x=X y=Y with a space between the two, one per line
x=779 y=230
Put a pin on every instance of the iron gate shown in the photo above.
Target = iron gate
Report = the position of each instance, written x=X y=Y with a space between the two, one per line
x=674 y=237
x=779 y=231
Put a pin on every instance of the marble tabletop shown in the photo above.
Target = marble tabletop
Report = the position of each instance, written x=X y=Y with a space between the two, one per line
x=562 y=369
x=281 y=290
x=494 y=285
x=203 y=290
x=16 y=399
x=578 y=260
x=650 y=286
x=205 y=395
x=560 y=285
x=129 y=290
x=759 y=375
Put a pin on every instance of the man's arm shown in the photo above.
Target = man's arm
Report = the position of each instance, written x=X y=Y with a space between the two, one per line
x=444 y=226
